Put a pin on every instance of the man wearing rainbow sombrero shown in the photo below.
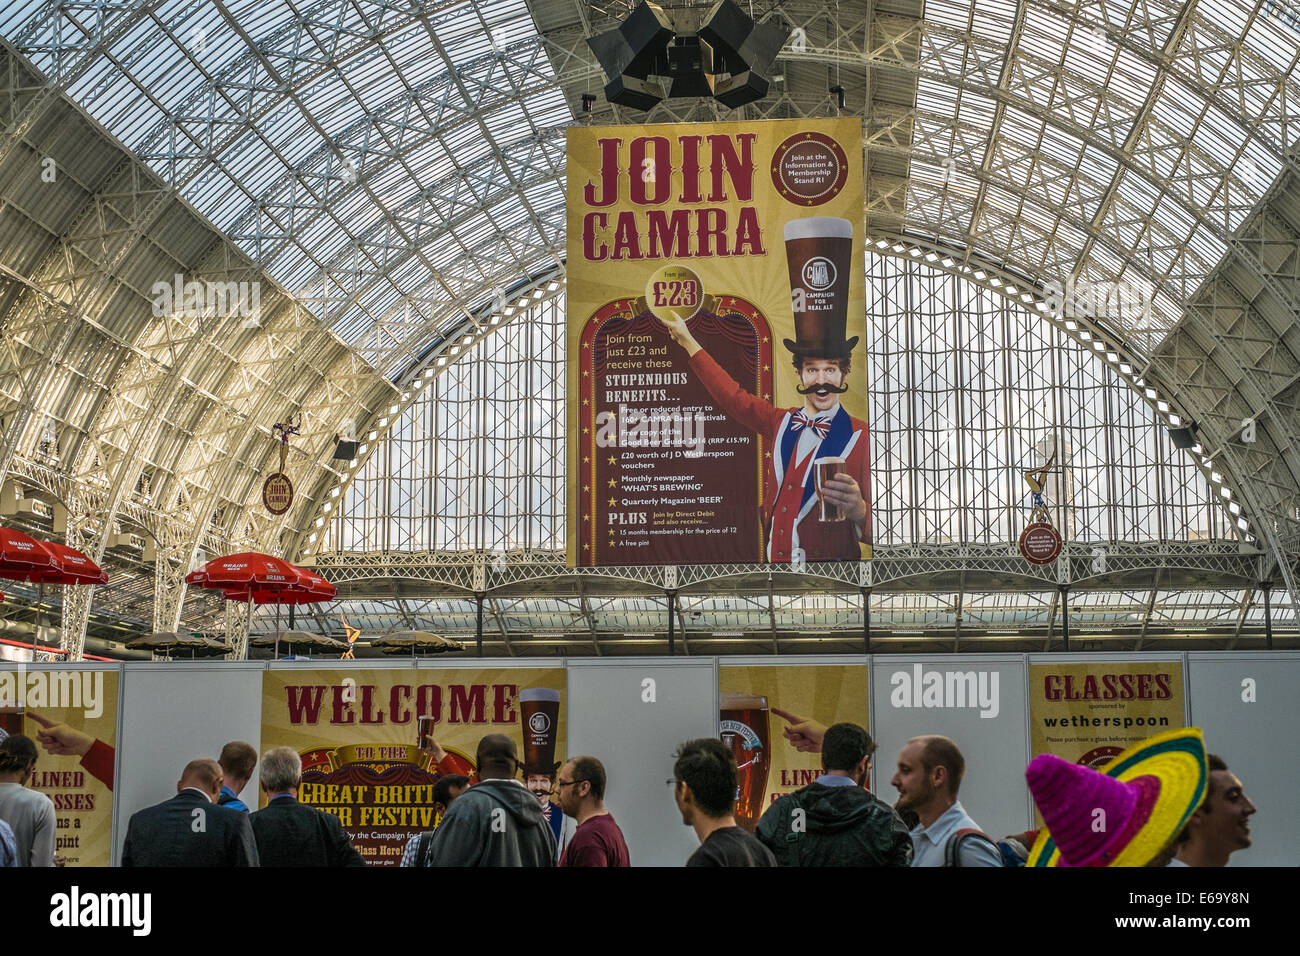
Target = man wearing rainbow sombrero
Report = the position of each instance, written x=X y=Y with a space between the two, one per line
x=1127 y=814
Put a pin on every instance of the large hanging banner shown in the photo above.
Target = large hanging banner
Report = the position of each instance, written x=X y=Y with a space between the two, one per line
x=717 y=357
x=1089 y=713
x=358 y=733
x=72 y=717
x=772 y=718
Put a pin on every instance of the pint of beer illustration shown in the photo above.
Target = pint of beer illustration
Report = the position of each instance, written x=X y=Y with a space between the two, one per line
x=819 y=255
x=824 y=469
x=539 y=710
x=743 y=723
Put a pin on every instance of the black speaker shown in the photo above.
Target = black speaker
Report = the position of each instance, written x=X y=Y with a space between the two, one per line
x=631 y=53
x=739 y=41
x=345 y=450
x=1183 y=437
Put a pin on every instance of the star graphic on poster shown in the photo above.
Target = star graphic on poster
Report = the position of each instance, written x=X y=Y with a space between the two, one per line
x=613 y=460
x=613 y=482
x=586 y=431
x=586 y=488
x=767 y=454
x=767 y=398
x=586 y=547
x=767 y=368
x=586 y=460
x=586 y=517
x=766 y=339
x=585 y=402
x=612 y=502
x=585 y=373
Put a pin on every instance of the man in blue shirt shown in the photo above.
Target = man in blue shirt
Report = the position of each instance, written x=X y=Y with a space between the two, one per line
x=238 y=761
x=929 y=774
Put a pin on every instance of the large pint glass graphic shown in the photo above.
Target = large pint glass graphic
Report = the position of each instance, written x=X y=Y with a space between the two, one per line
x=819 y=254
x=539 y=710
x=743 y=722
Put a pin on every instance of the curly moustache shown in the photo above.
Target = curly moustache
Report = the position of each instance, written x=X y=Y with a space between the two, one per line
x=823 y=389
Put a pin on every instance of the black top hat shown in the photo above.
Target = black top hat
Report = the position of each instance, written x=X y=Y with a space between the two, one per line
x=818 y=335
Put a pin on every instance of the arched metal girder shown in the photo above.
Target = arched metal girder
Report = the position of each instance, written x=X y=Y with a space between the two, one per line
x=1012 y=261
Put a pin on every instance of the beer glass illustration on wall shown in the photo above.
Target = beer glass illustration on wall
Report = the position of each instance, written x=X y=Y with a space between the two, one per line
x=743 y=723
x=819 y=255
x=539 y=710
x=824 y=469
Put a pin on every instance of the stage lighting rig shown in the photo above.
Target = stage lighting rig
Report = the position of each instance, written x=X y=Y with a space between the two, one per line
x=670 y=52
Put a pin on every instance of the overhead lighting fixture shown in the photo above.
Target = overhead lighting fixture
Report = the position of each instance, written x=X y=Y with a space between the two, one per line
x=657 y=54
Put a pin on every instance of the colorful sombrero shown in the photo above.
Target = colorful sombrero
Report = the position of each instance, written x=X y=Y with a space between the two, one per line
x=1147 y=793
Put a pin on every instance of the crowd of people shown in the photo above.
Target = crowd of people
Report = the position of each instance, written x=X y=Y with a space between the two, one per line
x=1163 y=802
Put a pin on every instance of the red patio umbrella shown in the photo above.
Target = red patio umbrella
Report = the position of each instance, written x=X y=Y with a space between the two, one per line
x=262 y=579
x=23 y=558
x=74 y=567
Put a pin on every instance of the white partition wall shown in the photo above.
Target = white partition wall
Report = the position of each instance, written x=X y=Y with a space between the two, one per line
x=1248 y=704
x=991 y=730
x=631 y=715
x=174 y=712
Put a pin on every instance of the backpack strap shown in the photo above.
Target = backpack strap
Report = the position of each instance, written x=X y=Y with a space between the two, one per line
x=422 y=848
x=951 y=849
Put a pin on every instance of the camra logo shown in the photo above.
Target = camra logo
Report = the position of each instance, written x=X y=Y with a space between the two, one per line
x=943 y=689
x=539 y=723
x=77 y=909
x=819 y=273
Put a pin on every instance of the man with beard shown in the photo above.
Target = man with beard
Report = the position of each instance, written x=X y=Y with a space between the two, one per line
x=1221 y=825
x=836 y=820
x=799 y=437
x=929 y=774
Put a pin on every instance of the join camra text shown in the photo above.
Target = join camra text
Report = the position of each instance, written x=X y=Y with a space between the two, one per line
x=654 y=171
x=349 y=703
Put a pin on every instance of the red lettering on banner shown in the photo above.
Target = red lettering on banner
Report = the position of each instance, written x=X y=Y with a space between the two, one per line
x=691 y=169
x=1148 y=686
x=739 y=168
x=397 y=711
x=651 y=171
x=304 y=701
x=428 y=701
x=669 y=233
x=503 y=705
x=368 y=713
x=609 y=150
x=341 y=707
x=467 y=704
x=652 y=180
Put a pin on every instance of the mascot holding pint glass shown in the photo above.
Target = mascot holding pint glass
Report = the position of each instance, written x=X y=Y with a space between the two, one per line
x=539 y=711
x=817 y=472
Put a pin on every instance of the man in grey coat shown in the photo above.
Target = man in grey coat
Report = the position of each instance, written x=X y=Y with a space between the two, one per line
x=496 y=822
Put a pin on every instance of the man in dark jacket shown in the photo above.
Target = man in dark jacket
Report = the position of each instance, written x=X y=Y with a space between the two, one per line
x=496 y=822
x=190 y=829
x=290 y=833
x=836 y=821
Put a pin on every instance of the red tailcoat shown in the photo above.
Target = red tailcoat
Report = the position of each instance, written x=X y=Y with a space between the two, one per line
x=784 y=496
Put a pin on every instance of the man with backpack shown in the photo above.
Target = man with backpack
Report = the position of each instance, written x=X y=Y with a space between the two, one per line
x=929 y=774
x=836 y=820
x=447 y=788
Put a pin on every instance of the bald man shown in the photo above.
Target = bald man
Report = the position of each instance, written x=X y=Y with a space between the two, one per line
x=191 y=829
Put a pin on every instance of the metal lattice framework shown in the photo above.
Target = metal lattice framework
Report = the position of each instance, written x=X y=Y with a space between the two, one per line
x=389 y=175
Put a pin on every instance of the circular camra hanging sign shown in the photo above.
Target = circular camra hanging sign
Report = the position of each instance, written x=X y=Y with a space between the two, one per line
x=1040 y=543
x=277 y=493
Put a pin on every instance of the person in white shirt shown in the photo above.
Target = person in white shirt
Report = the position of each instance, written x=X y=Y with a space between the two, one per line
x=929 y=775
